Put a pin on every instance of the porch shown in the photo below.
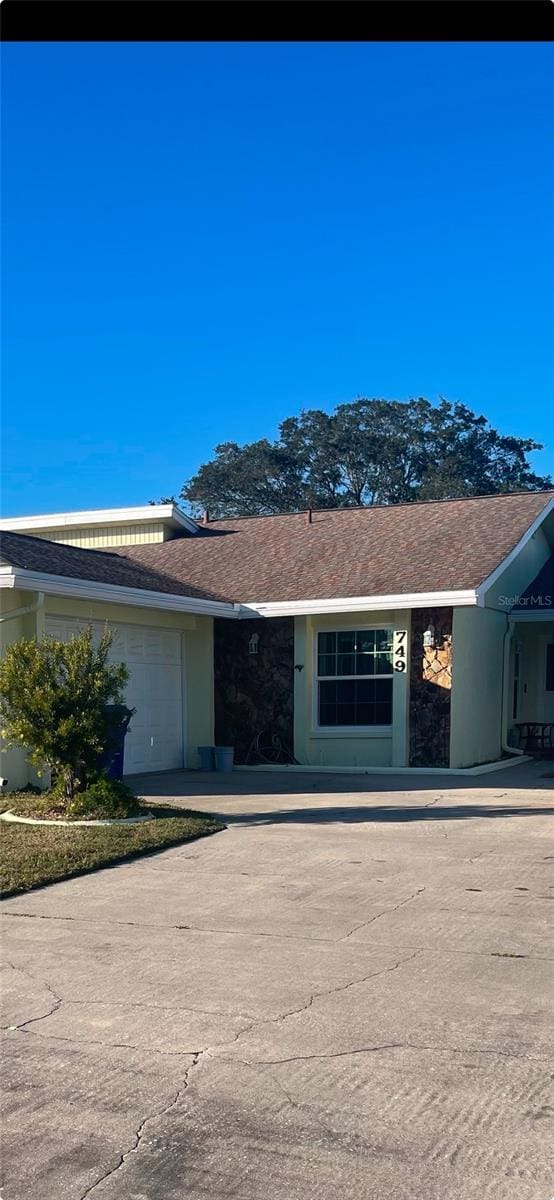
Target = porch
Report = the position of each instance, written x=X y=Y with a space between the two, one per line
x=531 y=685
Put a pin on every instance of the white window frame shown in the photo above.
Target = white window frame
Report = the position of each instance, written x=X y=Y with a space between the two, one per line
x=364 y=731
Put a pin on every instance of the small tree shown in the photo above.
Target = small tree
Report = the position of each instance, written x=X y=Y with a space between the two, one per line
x=52 y=701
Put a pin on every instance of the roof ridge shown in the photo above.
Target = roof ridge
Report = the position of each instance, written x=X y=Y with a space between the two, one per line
x=298 y=512
x=433 y=554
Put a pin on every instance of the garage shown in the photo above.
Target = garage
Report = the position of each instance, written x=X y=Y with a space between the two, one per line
x=154 y=741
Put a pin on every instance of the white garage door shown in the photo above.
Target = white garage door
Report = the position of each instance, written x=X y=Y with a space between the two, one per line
x=154 y=741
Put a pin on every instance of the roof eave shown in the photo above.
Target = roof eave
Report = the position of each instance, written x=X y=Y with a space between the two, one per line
x=345 y=604
x=487 y=583
x=141 y=514
x=88 y=589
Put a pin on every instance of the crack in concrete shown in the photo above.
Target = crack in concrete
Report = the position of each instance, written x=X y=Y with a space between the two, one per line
x=177 y=1008
x=182 y=1008
x=59 y=1000
x=275 y=1062
x=23 y=971
x=300 y=937
x=253 y=933
x=139 y=1133
x=298 y=1105
x=292 y=937
x=259 y=1023
x=384 y=913
x=56 y=1037
x=254 y=1022
x=32 y=1020
x=76 y=1041
x=40 y=983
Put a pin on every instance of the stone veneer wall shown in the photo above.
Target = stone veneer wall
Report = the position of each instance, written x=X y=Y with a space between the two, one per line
x=430 y=689
x=253 y=692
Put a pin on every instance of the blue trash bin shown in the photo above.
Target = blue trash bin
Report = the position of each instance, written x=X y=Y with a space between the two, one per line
x=224 y=756
x=111 y=761
x=206 y=754
x=206 y=757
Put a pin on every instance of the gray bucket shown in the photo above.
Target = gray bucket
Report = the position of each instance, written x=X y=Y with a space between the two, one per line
x=206 y=758
x=224 y=756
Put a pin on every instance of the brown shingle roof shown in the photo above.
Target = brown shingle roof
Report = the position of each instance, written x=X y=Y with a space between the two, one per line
x=99 y=566
x=436 y=546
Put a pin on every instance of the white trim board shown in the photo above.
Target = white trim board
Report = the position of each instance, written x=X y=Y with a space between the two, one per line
x=88 y=589
x=483 y=769
x=102 y=516
x=342 y=604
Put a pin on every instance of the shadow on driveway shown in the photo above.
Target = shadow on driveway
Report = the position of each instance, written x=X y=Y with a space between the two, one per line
x=316 y=798
x=372 y=814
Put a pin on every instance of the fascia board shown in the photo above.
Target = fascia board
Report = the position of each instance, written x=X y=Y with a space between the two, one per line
x=101 y=516
x=86 y=589
x=341 y=604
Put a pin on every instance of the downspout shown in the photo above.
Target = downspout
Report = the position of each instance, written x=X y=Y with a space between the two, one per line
x=22 y=612
x=508 y=635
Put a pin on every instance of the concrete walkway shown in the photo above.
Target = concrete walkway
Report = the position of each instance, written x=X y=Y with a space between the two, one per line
x=344 y=996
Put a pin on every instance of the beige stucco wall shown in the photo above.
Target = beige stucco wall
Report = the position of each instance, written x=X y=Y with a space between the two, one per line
x=12 y=599
x=129 y=614
x=13 y=762
x=199 y=675
x=358 y=749
x=478 y=659
x=477 y=665
x=197 y=657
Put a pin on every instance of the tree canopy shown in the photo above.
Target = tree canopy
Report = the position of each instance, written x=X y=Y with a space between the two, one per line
x=365 y=452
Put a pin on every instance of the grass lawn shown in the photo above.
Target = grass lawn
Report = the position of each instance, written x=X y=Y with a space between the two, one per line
x=31 y=856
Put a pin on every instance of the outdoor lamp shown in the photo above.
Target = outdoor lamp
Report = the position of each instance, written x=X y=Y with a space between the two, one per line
x=429 y=635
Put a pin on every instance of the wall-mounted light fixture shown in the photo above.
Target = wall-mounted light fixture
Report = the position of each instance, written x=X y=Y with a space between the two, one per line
x=429 y=636
x=253 y=643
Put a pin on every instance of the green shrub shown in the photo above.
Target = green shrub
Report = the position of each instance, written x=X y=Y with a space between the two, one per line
x=53 y=697
x=104 y=798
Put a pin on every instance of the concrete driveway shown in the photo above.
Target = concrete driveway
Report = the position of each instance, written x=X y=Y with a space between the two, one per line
x=344 y=996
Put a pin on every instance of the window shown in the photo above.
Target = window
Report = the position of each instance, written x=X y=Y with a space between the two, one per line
x=354 y=678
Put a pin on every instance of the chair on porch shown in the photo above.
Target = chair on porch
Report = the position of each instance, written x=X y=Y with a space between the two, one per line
x=536 y=738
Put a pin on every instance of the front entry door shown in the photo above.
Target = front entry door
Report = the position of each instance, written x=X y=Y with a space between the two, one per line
x=545 y=697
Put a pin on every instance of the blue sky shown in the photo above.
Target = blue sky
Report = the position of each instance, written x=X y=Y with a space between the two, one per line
x=202 y=239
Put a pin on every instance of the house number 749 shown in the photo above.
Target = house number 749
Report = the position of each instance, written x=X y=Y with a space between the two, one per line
x=400 y=649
